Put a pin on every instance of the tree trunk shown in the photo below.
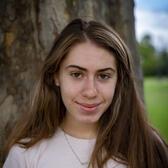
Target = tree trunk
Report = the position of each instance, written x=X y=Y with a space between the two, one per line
x=121 y=18
x=27 y=31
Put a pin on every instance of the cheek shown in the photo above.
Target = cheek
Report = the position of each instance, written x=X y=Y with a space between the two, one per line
x=68 y=91
x=68 y=86
x=109 y=95
x=108 y=91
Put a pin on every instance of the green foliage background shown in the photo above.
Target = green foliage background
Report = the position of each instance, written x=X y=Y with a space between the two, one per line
x=155 y=70
x=156 y=98
x=154 y=62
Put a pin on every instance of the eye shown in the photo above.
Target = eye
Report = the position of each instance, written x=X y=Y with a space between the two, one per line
x=76 y=75
x=104 y=76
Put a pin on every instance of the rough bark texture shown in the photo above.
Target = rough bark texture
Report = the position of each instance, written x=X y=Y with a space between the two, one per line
x=27 y=31
x=121 y=18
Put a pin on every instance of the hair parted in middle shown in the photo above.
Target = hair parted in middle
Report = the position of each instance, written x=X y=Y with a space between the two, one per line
x=80 y=31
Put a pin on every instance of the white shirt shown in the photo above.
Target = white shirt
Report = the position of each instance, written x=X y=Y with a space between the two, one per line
x=60 y=151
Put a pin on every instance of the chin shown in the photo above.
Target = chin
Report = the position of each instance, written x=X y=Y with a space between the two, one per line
x=89 y=120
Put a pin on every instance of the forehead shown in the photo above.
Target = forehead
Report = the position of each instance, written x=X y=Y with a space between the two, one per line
x=89 y=55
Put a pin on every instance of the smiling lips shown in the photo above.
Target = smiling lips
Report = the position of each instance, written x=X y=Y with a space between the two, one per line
x=88 y=107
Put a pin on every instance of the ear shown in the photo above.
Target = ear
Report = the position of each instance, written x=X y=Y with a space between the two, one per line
x=56 y=79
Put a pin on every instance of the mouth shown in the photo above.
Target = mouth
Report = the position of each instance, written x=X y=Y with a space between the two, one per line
x=88 y=107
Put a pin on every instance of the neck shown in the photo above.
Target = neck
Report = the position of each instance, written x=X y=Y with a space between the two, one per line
x=79 y=130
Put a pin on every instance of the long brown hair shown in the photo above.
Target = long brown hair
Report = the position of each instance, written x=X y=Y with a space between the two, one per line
x=124 y=133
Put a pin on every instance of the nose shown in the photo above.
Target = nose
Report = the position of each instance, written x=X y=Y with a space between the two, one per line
x=90 y=89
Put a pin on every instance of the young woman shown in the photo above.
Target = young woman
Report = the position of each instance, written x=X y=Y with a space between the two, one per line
x=86 y=111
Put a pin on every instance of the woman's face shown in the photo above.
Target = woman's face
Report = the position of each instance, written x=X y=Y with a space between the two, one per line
x=87 y=80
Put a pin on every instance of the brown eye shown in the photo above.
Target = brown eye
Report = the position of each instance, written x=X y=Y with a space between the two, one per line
x=104 y=76
x=76 y=75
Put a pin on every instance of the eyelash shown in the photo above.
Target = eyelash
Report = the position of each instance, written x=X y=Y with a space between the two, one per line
x=105 y=76
x=76 y=75
x=79 y=75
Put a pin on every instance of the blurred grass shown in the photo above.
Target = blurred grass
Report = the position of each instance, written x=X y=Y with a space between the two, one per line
x=156 y=97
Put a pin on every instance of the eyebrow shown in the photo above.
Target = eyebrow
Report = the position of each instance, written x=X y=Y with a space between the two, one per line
x=84 y=69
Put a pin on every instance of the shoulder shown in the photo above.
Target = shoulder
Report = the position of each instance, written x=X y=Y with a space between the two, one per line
x=15 y=158
x=20 y=157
